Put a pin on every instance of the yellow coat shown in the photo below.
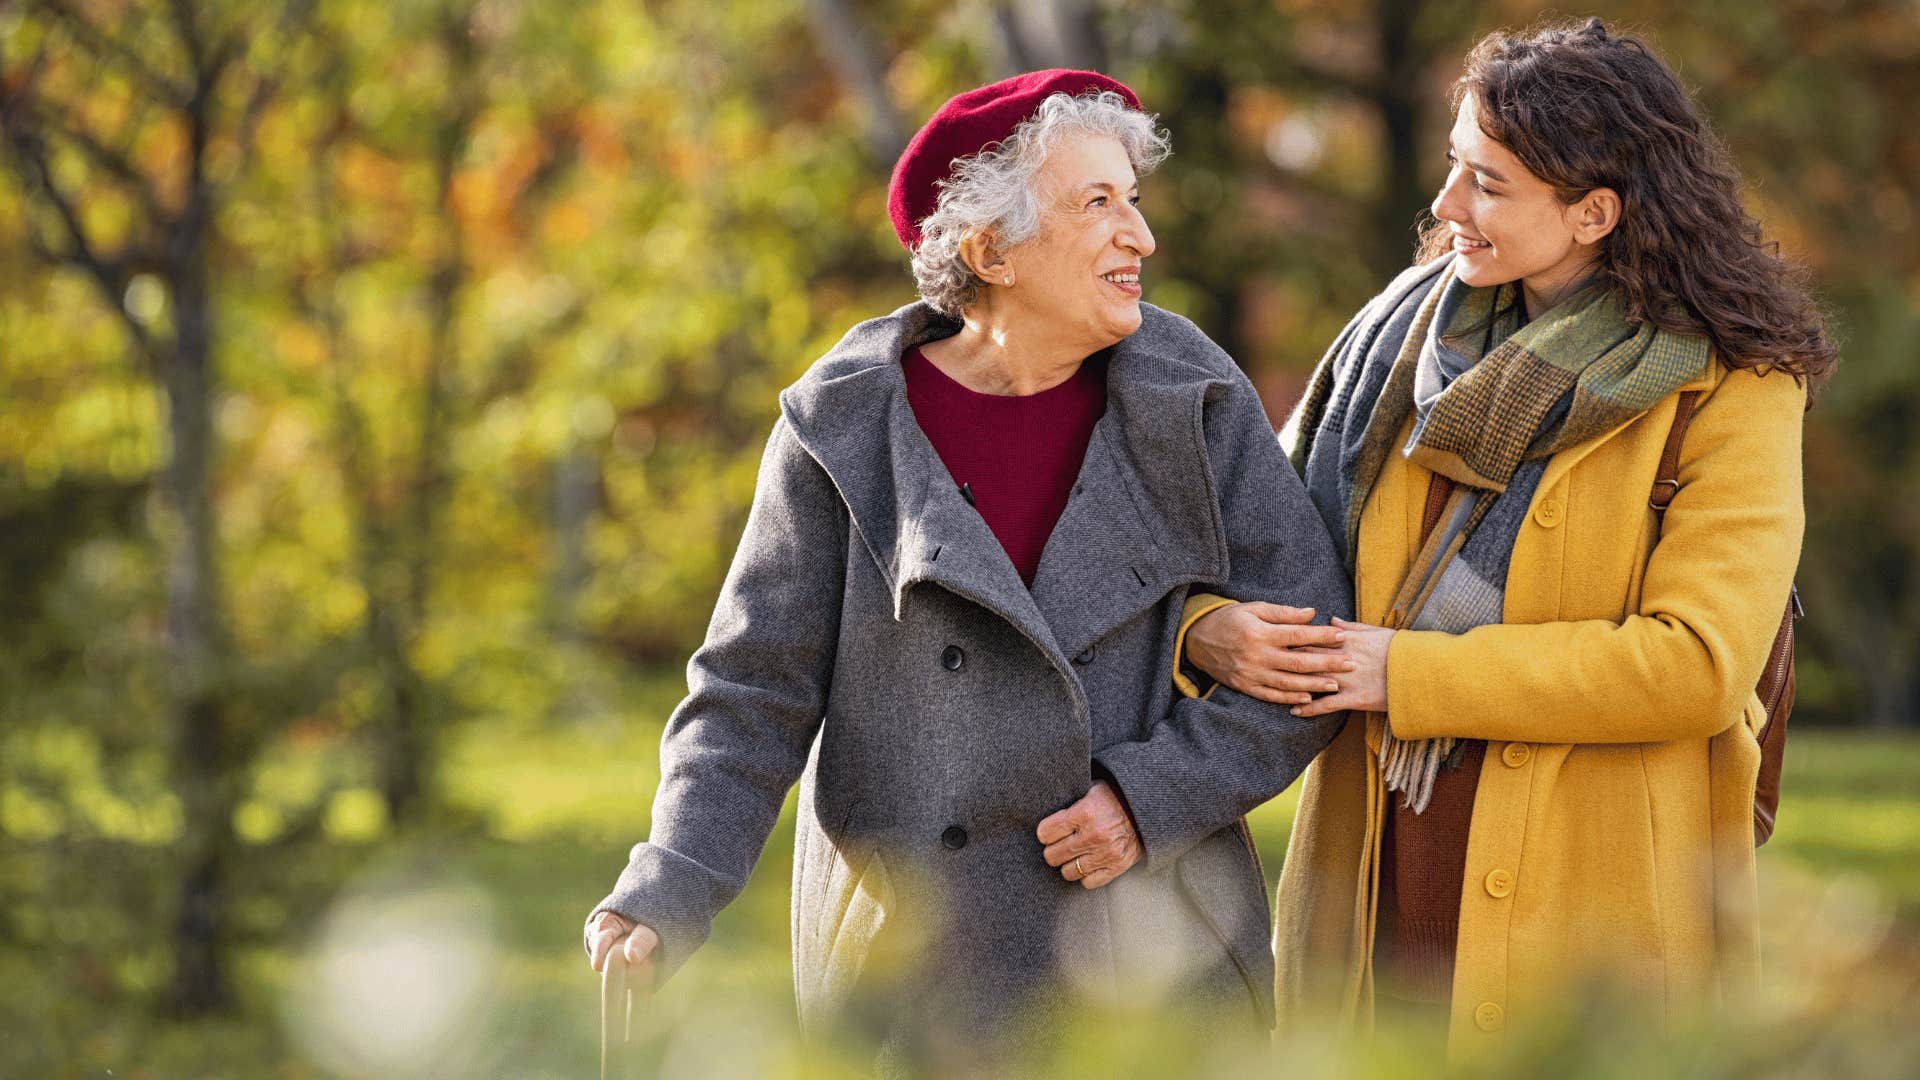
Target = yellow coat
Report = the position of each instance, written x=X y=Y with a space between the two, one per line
x=1612 y=830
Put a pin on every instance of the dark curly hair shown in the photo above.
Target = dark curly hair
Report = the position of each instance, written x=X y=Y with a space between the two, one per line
x=1583 y=108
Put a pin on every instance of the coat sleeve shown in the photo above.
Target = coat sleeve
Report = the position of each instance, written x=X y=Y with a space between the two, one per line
x=1210 y=760
x=1682 y=666
x=757 y=690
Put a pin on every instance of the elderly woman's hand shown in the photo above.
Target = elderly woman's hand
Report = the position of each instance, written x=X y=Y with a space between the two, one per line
x=1363 y=688
x=611 y=931
x=1093 y=841
x=1268 y=651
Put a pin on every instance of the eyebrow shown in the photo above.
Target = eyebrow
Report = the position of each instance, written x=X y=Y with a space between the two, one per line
x=1479 y=168
x=1102 y=185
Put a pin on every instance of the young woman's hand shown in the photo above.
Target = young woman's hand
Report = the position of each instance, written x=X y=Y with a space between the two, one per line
x=1363 y=687
x=1268 y=651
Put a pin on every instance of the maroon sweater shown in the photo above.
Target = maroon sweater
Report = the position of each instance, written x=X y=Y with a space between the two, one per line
x=1015 y=457
x=1423 y=861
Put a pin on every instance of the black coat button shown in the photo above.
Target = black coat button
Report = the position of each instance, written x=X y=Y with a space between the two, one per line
x=952 y=658
x=1085 y=657
x=954 y=838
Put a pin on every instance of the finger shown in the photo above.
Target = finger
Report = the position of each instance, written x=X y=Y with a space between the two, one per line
x=1299 y=684
x=1317 y=650
x=603 y=942
x=640 y=945
x=1294 y=637
x=1088 y=838
x=1304 y=661
x=1056 y=826
x=1063 y=852
x=1276 y=697
x=1243 y=679
x=1280 y=613
x=1101 y=877
x=1332 y=703
x=1349 y=624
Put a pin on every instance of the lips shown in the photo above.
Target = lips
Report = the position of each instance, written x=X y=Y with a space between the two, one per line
x=1466 y=245
x=1126 y=279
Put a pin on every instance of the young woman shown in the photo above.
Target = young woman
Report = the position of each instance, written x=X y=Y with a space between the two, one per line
x=1547 y=780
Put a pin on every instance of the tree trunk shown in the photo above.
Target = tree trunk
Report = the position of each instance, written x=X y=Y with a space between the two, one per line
x=862 y=71
x=196 y=648
x=1398 y=97
x=407 y=752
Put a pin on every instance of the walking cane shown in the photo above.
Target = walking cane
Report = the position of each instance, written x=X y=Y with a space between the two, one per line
x=616 y=1017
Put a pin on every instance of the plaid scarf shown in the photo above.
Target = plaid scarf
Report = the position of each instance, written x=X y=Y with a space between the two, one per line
x=1492 y=397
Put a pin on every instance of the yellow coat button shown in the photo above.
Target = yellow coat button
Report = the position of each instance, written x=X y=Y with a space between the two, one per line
x=1500 y=884
x=1489 y=1016
x=1548 y=513
x=1516 y=754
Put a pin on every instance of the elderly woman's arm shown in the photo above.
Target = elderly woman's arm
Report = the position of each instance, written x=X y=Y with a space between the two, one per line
x=756 y=694
x=1211 y=760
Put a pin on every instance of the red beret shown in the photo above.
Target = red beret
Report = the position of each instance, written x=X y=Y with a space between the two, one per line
x=967 y=125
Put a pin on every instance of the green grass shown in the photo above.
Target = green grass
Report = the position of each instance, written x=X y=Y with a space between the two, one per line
x=488 y=920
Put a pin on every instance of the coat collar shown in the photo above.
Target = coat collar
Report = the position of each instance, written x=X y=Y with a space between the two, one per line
x=1142 y=519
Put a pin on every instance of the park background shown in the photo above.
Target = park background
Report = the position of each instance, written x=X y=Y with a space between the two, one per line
x=381 y=388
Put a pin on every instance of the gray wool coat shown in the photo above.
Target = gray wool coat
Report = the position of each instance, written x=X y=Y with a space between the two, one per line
x=874 y=642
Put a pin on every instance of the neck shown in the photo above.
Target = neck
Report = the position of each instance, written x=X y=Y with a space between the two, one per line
x=1543 y=291
x=1007 y=357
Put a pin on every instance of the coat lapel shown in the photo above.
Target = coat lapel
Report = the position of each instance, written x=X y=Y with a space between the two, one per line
x=1142 y=518
x=850 y=411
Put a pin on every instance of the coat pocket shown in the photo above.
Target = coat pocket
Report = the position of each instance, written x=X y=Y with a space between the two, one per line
x=847 y=900
x=1220 y=879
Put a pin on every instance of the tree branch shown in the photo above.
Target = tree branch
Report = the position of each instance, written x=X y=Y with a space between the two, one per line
x=292 y=17
x=102 y=46
x=191 y=41
x=114 y=163
x=29 y=163
x=857 y=62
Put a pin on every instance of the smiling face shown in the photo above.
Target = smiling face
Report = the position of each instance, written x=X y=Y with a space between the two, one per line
x=1079 y=276
x=1508 y=224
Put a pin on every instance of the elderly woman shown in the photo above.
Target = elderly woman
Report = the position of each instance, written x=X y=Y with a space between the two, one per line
x=952 y=619
x=1550 y=779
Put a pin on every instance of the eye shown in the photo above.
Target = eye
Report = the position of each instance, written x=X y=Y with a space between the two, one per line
x=1472 y=180
x=1098 y=200
x=1133 y=200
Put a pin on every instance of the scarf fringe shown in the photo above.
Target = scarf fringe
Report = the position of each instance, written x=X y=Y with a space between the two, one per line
x=1410 y=767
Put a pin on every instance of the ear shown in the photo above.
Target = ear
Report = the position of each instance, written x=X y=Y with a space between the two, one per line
x=1595 y=215
x=979 y=249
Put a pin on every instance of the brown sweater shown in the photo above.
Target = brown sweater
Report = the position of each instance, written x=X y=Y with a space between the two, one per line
x=1423 y=860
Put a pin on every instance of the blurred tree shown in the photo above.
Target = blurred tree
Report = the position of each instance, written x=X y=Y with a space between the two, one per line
x=113 y=131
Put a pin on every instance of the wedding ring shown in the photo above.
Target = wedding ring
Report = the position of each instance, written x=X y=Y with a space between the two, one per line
x=1076 y=867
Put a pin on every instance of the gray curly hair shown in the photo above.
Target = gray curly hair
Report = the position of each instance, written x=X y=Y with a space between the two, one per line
x=993 y=189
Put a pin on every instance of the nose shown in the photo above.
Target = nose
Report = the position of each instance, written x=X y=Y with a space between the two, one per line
x=1134 y=236
x=1449 y=205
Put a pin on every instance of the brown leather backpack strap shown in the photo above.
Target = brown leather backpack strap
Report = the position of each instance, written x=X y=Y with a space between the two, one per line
x=1666 y=480
x=1776 y=696
x=1776 y=684
x=1439 y=489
